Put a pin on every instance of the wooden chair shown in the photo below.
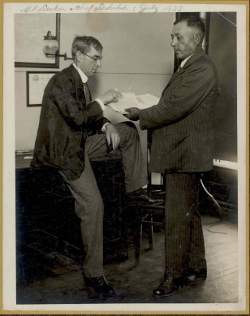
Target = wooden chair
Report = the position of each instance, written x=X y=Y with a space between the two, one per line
x=146 y=213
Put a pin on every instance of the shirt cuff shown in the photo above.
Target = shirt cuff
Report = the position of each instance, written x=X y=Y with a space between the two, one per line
x=101 y=104
x=104 y=127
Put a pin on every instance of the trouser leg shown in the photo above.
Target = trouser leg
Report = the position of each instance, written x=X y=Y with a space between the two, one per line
x=197 y=246
x=88 y=201
x=131 y=154
x=89 y=208
x=181 y=223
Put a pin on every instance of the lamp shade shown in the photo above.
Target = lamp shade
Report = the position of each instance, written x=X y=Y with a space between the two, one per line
x=50 y=44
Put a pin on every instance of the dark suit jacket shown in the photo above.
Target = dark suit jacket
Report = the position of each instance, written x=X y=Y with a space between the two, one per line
x=65 y=122
x=182 y=121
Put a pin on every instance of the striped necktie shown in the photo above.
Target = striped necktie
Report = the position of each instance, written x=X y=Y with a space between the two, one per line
x=86 y=93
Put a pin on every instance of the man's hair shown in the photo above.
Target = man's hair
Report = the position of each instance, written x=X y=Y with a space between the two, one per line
x=193 y=21
x=83 y=44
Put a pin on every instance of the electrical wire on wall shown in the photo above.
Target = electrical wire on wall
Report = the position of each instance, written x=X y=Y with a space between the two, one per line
x=218 y=209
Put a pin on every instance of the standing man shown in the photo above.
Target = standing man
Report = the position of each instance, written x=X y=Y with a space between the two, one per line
x=182 y=148
x=72 y=131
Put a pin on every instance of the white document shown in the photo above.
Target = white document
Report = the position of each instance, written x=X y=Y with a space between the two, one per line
x=147 y=100
x=37 y=84
x=130 y=100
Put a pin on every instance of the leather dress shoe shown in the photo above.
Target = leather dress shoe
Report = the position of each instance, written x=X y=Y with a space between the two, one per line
x=142 y=195
x=99 y=285
x=168 y=286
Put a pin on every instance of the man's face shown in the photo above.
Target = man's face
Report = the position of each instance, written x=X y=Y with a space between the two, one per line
x=89 y=62
x=184 y=40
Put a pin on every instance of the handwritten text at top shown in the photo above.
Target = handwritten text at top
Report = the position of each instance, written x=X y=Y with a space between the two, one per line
x=103 y=7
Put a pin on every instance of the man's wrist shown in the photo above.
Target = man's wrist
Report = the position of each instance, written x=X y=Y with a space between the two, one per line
x=104 y=127
x=102 y=105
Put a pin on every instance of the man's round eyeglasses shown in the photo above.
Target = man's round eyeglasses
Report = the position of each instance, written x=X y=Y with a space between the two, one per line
x=95 y=58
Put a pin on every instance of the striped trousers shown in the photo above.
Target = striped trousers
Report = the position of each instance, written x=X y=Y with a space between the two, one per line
x=184 y=236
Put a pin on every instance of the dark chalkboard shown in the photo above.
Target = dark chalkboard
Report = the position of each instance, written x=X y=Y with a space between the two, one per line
x=222 y=50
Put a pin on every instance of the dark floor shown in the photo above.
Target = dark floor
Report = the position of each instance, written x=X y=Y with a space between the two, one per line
x=59 y=278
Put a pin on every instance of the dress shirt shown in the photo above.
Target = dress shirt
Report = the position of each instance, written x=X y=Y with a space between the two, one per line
x=185 y=60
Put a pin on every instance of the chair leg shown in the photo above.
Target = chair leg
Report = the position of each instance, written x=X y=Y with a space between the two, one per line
x=138 y=248
x=136 y=218
x=151 y=233
x=137 y=241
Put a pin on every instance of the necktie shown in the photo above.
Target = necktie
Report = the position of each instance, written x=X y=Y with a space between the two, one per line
x=87 y=99
x=86 y=93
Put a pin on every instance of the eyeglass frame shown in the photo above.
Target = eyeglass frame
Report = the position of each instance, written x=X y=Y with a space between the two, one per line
x=95 y=58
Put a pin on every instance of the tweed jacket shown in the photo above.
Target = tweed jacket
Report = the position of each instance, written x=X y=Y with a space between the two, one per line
x=182 y=122
x=65 y=122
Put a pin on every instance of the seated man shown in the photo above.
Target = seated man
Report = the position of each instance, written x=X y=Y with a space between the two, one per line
x=72 y=131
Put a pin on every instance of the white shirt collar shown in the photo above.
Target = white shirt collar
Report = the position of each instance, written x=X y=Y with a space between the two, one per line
x=185 y=60
x=81 y=73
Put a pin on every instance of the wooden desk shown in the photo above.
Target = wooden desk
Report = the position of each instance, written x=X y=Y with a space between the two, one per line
x=46 y=220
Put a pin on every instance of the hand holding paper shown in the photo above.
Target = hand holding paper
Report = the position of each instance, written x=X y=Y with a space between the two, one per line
x=112 y=95
x=130 y=100
x=132 y=114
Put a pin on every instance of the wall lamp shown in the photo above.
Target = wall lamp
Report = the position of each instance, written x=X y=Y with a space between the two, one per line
x=50 y=46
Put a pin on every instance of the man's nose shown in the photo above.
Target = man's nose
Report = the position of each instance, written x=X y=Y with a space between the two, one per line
x=99 y=63
x=173 y=42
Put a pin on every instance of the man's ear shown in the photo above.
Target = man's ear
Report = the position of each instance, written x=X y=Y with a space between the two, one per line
x=78 y=56
x=197 y=39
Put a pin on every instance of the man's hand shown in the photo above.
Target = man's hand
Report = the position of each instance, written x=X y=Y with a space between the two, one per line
x=112 y=95
x=133 y=114
x=112 y=136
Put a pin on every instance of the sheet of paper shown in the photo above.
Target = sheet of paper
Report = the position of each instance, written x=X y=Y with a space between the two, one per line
x=147 y=100
x=37 y=84
x=131 y=100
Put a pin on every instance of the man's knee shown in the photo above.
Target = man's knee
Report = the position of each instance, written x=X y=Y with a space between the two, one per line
x=128 y=125
x=93 y=208
x=128 y=130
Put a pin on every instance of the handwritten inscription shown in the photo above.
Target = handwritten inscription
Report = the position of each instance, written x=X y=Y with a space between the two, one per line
x=112 y=6
x=174 y=8
x=154 y=8
x=44 y=7
x=146 y=8
x=84 y=7
x=103 y=7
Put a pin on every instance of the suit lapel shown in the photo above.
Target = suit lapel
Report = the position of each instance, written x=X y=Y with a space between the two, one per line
x=199 y=52
x=175 y=75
